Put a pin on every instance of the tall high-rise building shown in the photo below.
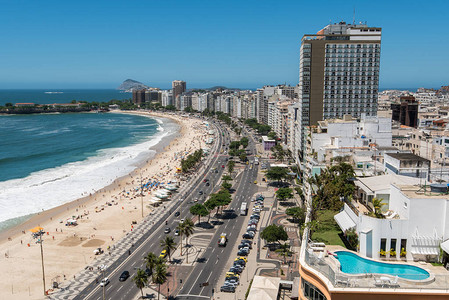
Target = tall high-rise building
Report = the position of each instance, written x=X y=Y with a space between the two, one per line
x=178 y=87
x=339 y=73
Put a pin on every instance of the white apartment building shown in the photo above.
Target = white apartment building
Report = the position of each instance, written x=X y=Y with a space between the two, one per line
x=167 y=98
x=415 y=220
x=349 y=134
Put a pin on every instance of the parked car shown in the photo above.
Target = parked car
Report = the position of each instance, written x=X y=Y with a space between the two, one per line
x=235 y=270
x=247 y=236
x=177 y=232
x=148 y=272
x=123 y=276
x=227 y=289
x=243 y=252
x=247 y=242
x=163 y=254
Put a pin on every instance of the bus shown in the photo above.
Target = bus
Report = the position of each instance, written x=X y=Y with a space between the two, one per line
x=244 y=209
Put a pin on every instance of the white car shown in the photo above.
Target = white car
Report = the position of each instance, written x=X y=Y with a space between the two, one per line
x=104 y=281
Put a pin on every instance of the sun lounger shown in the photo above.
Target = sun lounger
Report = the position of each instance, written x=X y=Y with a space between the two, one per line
x=394 y=283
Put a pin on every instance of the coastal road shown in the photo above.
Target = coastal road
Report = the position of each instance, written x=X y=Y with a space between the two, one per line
x=205 y=275
x=150 y=241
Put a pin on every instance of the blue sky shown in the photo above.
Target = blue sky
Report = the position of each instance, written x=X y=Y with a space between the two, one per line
x=247 y=44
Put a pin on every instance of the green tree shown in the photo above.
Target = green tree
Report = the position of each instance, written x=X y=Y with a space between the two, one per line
x=234 y=145
x=170 y=107
x=141 y=280
x=276 y=173
x=198 y=210
x=244 y=142
x=150 y=261
x=243 y=157
x=160 y=277
x=226 y=185
x=284 y=251
x=168 y=244
x=272 y=135
x=210 y=204
x=231 y=165
x=226 y=178
x=274 y=233
x=297 y=213
x=278 y=152
x=284 y=194
x=263 y=129
x=330 y=186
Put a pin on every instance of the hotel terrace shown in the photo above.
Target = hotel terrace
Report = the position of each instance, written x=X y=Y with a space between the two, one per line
x=408 y=236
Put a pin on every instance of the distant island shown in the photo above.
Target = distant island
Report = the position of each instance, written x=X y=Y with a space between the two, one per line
x=129 y=85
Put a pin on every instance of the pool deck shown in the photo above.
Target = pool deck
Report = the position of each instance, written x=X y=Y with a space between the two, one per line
x=438 y=280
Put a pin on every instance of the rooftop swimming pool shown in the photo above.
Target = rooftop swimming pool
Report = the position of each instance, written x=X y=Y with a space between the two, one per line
x=353 y=264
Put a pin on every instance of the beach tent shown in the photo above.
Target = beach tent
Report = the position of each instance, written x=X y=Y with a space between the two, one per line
x=36 y=229
x=162 y=196
x=71 y=222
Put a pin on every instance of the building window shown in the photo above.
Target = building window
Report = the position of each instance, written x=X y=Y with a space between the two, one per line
x=310 y=291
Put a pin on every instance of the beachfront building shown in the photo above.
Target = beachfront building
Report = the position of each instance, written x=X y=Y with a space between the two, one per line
x=339 y=73
x=167 y=98
x=178 y=87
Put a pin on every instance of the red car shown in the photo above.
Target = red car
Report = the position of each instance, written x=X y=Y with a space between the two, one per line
x=222 y=166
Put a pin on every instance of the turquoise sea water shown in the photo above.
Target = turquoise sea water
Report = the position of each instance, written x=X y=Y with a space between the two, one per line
x=50 y=96
x=354 y=264
x=50 y=159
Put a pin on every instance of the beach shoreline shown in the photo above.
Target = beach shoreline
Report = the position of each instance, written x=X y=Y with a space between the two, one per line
x=103 y=218
x=39 y=219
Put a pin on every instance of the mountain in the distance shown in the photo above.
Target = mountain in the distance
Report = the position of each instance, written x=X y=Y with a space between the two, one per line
x=130 y=85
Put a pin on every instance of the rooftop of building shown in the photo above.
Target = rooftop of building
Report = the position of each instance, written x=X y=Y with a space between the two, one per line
x=420 y=191
x=266 y=139
x=383 y=182
x=407 y=156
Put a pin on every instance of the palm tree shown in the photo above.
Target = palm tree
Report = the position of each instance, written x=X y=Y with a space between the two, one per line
x=181 y=229
x=284 y=251
x=377 y=204
x=168 y=244
x=160 y=276
x=188 y=228
x=150 y=261
x=141 y=280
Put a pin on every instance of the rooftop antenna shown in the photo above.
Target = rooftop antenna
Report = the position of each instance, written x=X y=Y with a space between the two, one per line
x=353 y=17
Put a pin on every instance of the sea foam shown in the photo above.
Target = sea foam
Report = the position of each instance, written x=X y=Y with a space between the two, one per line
x=49 y=188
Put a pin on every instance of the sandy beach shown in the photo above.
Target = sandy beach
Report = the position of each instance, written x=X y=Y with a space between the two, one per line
x=103 y=218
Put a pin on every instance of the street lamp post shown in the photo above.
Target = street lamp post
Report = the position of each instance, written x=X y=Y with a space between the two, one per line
x=38 y=235
x=42 y=259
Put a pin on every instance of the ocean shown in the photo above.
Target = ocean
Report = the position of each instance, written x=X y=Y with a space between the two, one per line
x=47 y=160
x=50 y=96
